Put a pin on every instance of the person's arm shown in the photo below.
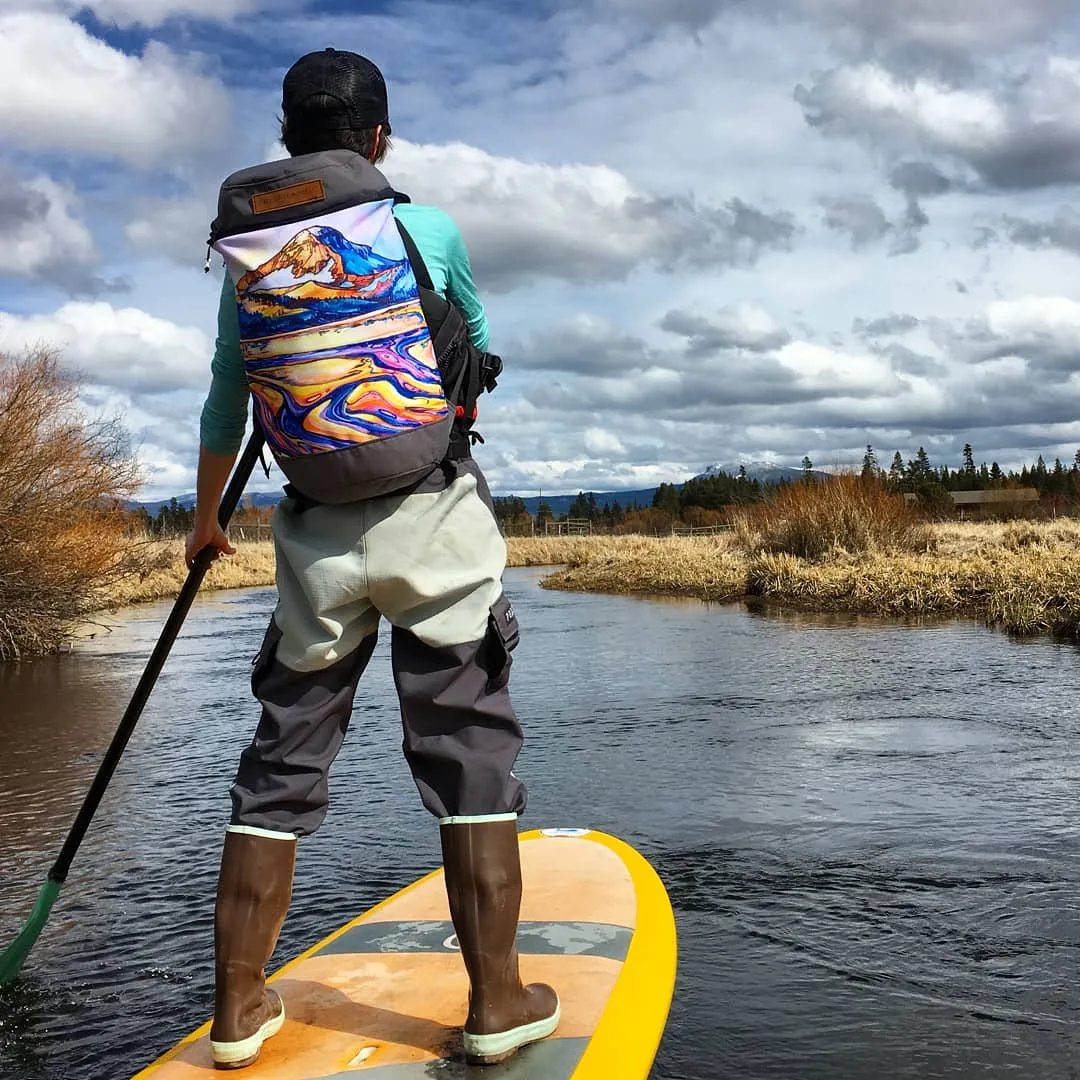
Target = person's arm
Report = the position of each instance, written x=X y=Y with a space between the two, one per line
x=461 y=288
x=221 y=430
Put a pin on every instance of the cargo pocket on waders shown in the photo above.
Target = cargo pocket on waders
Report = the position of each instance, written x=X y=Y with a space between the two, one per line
x=503 y=635
x=265 y=657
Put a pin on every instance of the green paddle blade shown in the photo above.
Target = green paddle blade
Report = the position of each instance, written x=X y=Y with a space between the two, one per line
x=12 y=958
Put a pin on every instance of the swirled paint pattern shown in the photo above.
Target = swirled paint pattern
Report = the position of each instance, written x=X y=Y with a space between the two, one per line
x=335 y=344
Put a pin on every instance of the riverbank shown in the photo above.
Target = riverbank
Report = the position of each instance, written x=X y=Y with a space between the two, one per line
x=161 y=573
x=1022 y=577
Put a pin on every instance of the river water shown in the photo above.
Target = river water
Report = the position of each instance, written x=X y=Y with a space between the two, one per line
x=868 y=830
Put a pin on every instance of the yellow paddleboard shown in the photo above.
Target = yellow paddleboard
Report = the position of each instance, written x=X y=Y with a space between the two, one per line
x=384 y=997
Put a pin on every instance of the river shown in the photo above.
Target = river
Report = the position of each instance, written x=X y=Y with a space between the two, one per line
x=868 y=830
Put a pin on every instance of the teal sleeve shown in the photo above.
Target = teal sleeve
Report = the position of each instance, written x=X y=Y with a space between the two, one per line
x=461 y=289
x=225 y=412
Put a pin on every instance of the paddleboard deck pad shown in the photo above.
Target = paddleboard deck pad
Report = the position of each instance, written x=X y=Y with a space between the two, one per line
x=384 y=997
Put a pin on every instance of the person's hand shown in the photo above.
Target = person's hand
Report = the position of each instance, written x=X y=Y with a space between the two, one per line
x=203 y=535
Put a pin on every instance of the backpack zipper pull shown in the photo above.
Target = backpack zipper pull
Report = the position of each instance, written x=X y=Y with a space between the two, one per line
x=209 y=250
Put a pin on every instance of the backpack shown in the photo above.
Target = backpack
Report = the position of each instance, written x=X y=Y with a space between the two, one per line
x=362 y=377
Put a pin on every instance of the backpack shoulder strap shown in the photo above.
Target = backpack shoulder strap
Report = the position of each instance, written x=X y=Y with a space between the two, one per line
x=423 y=277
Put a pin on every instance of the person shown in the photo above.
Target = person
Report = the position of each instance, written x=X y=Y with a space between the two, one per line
x=429 y=560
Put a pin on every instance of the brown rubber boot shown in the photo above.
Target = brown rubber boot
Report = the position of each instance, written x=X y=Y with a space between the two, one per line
x=254 y=890
x=482 y=866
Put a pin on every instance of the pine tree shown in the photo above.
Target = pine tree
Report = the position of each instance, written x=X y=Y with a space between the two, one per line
x=807 y=469
x=1058 y=478
x=897 y=473
x=969 y=461
x=918 y=470
x=869 y=463
x=667 y=499
x=579 y=508
x=995 y=473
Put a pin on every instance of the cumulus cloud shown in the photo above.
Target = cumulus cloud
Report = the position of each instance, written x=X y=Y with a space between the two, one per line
x=150 y=13
x=885 y=326
x=909 y=362
x=124 y=349
x=1061 y=232
x=175 y=227
x=39 y=234
x=942 y=24
x=863 y=220
x=63 y=89
x=1024 y=134
x=524 y=220
x=740 y=326
x=585 y=345
x=603 y=443
x=693 y=14
x=916 y=180
x=1042 y=330
x=860 y=217
x=685 y=386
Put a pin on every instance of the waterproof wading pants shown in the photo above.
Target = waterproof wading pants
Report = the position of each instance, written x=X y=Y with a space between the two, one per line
x=431 y=563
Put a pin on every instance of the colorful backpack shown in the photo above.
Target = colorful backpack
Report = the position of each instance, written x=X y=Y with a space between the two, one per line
x=358 y=374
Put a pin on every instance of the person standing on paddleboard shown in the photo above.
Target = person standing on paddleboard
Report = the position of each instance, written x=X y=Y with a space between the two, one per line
x=428 y=557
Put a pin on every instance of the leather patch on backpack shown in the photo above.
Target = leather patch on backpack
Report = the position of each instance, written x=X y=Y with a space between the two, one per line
x=310 y=191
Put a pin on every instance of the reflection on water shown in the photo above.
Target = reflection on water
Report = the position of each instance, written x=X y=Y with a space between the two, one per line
x=867 y=830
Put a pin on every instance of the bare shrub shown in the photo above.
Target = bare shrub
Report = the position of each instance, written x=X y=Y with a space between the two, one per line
x=843 y=513
x=1018 y=535
x=63 y=531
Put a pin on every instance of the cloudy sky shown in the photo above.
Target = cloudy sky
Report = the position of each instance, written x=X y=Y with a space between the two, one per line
x=704 y=230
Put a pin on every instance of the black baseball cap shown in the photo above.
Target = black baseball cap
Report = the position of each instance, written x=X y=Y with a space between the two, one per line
x=351 y=80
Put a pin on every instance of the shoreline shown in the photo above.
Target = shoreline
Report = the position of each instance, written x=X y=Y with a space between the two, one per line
x=1023 y=577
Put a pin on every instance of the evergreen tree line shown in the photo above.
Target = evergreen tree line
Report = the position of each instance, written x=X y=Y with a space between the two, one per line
x=703 y=500
x=171 y=520
x=918 y=472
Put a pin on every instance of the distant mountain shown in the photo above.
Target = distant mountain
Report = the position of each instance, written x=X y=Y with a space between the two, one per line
x=763 y=471
x=256 y=498
x=560 y=504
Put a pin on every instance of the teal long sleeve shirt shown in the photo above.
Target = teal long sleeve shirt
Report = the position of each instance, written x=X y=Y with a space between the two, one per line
x=225 y=411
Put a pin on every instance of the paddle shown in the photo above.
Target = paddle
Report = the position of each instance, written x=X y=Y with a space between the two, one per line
x=12 y=958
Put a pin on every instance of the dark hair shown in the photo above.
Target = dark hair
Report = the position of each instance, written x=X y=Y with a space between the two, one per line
x=313 y=130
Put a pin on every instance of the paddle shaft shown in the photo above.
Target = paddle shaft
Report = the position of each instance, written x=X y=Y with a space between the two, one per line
x=229 y=501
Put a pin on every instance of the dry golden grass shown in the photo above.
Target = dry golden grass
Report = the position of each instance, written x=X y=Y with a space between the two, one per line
x=962 y=537
x=1022 y=576
x=559 y=550
x=843 y=513
x=706 y=567
x=162 y=573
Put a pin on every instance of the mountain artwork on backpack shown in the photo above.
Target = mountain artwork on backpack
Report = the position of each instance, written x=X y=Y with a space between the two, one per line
x=332 y=332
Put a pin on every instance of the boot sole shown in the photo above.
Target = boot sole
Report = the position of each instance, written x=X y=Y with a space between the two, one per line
x=492 y=1049
x=245 y=1052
